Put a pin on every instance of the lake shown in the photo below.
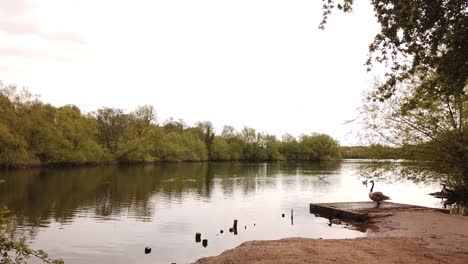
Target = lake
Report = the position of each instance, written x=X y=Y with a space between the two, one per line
x=109 y=214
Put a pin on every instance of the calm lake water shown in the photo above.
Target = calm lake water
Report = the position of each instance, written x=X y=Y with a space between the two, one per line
x=109 y=214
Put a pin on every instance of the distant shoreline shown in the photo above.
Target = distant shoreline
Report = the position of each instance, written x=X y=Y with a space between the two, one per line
x=128 y=163
x=116 y=163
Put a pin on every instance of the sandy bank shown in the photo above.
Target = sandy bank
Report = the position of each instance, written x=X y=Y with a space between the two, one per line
x=398 y=237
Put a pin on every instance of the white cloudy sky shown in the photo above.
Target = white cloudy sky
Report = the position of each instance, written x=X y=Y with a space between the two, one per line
x=259 y=63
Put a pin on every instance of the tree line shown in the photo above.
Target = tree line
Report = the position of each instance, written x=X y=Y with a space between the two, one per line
x=374 y=151
x=34 y=133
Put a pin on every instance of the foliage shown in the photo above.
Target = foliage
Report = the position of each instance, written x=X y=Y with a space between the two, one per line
x=374 y=151
x=421 y=105
x=220 y=150
x=13 y=252
x=290 y=147
x=34 y=133
x=424 y=38
x=183 y=146
x=318 y=147
x=429 y=129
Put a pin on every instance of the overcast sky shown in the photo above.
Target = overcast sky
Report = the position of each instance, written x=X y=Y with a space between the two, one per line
x=258 y=63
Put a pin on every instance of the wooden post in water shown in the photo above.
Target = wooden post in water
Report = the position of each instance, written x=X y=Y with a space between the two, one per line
x=147 y=250
x=292 y=216
x=235 y=227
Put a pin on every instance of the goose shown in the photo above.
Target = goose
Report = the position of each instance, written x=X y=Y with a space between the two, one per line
x=377 y=196
x=446 y=191
x=364 y=183
x=448 y=202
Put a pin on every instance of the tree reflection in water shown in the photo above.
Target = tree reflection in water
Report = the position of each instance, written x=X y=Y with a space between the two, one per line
x=37 y=195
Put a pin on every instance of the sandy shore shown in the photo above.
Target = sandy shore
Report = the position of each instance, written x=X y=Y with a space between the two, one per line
x=398 y=237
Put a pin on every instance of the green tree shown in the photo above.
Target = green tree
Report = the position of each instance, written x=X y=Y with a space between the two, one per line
x=112 y=124
x=426 y=39
x=374 y=151
x=30 y=128
x=45 y=140
x=250 y=144
x=431 y=128
x=206 y=133
x=421 y=104
x=135 y=143
x=229 y=133
x=272 y=148
x=220 y=150
x=34 y=133
x=236 y=144
x=290 y=147
x=185 y=146
x=172 y=125
x=13 y=149
x=81 y=133
x=319 y=147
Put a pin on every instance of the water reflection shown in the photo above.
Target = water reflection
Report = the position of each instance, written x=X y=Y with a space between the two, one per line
x=39 y=194
x=109 y=214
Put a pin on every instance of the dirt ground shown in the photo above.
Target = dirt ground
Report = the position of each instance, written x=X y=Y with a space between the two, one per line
x=400 y=237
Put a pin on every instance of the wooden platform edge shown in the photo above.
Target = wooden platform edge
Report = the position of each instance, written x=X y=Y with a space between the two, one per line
x=330 y=212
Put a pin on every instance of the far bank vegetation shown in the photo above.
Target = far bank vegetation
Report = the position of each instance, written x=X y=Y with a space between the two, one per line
x=34 y=133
